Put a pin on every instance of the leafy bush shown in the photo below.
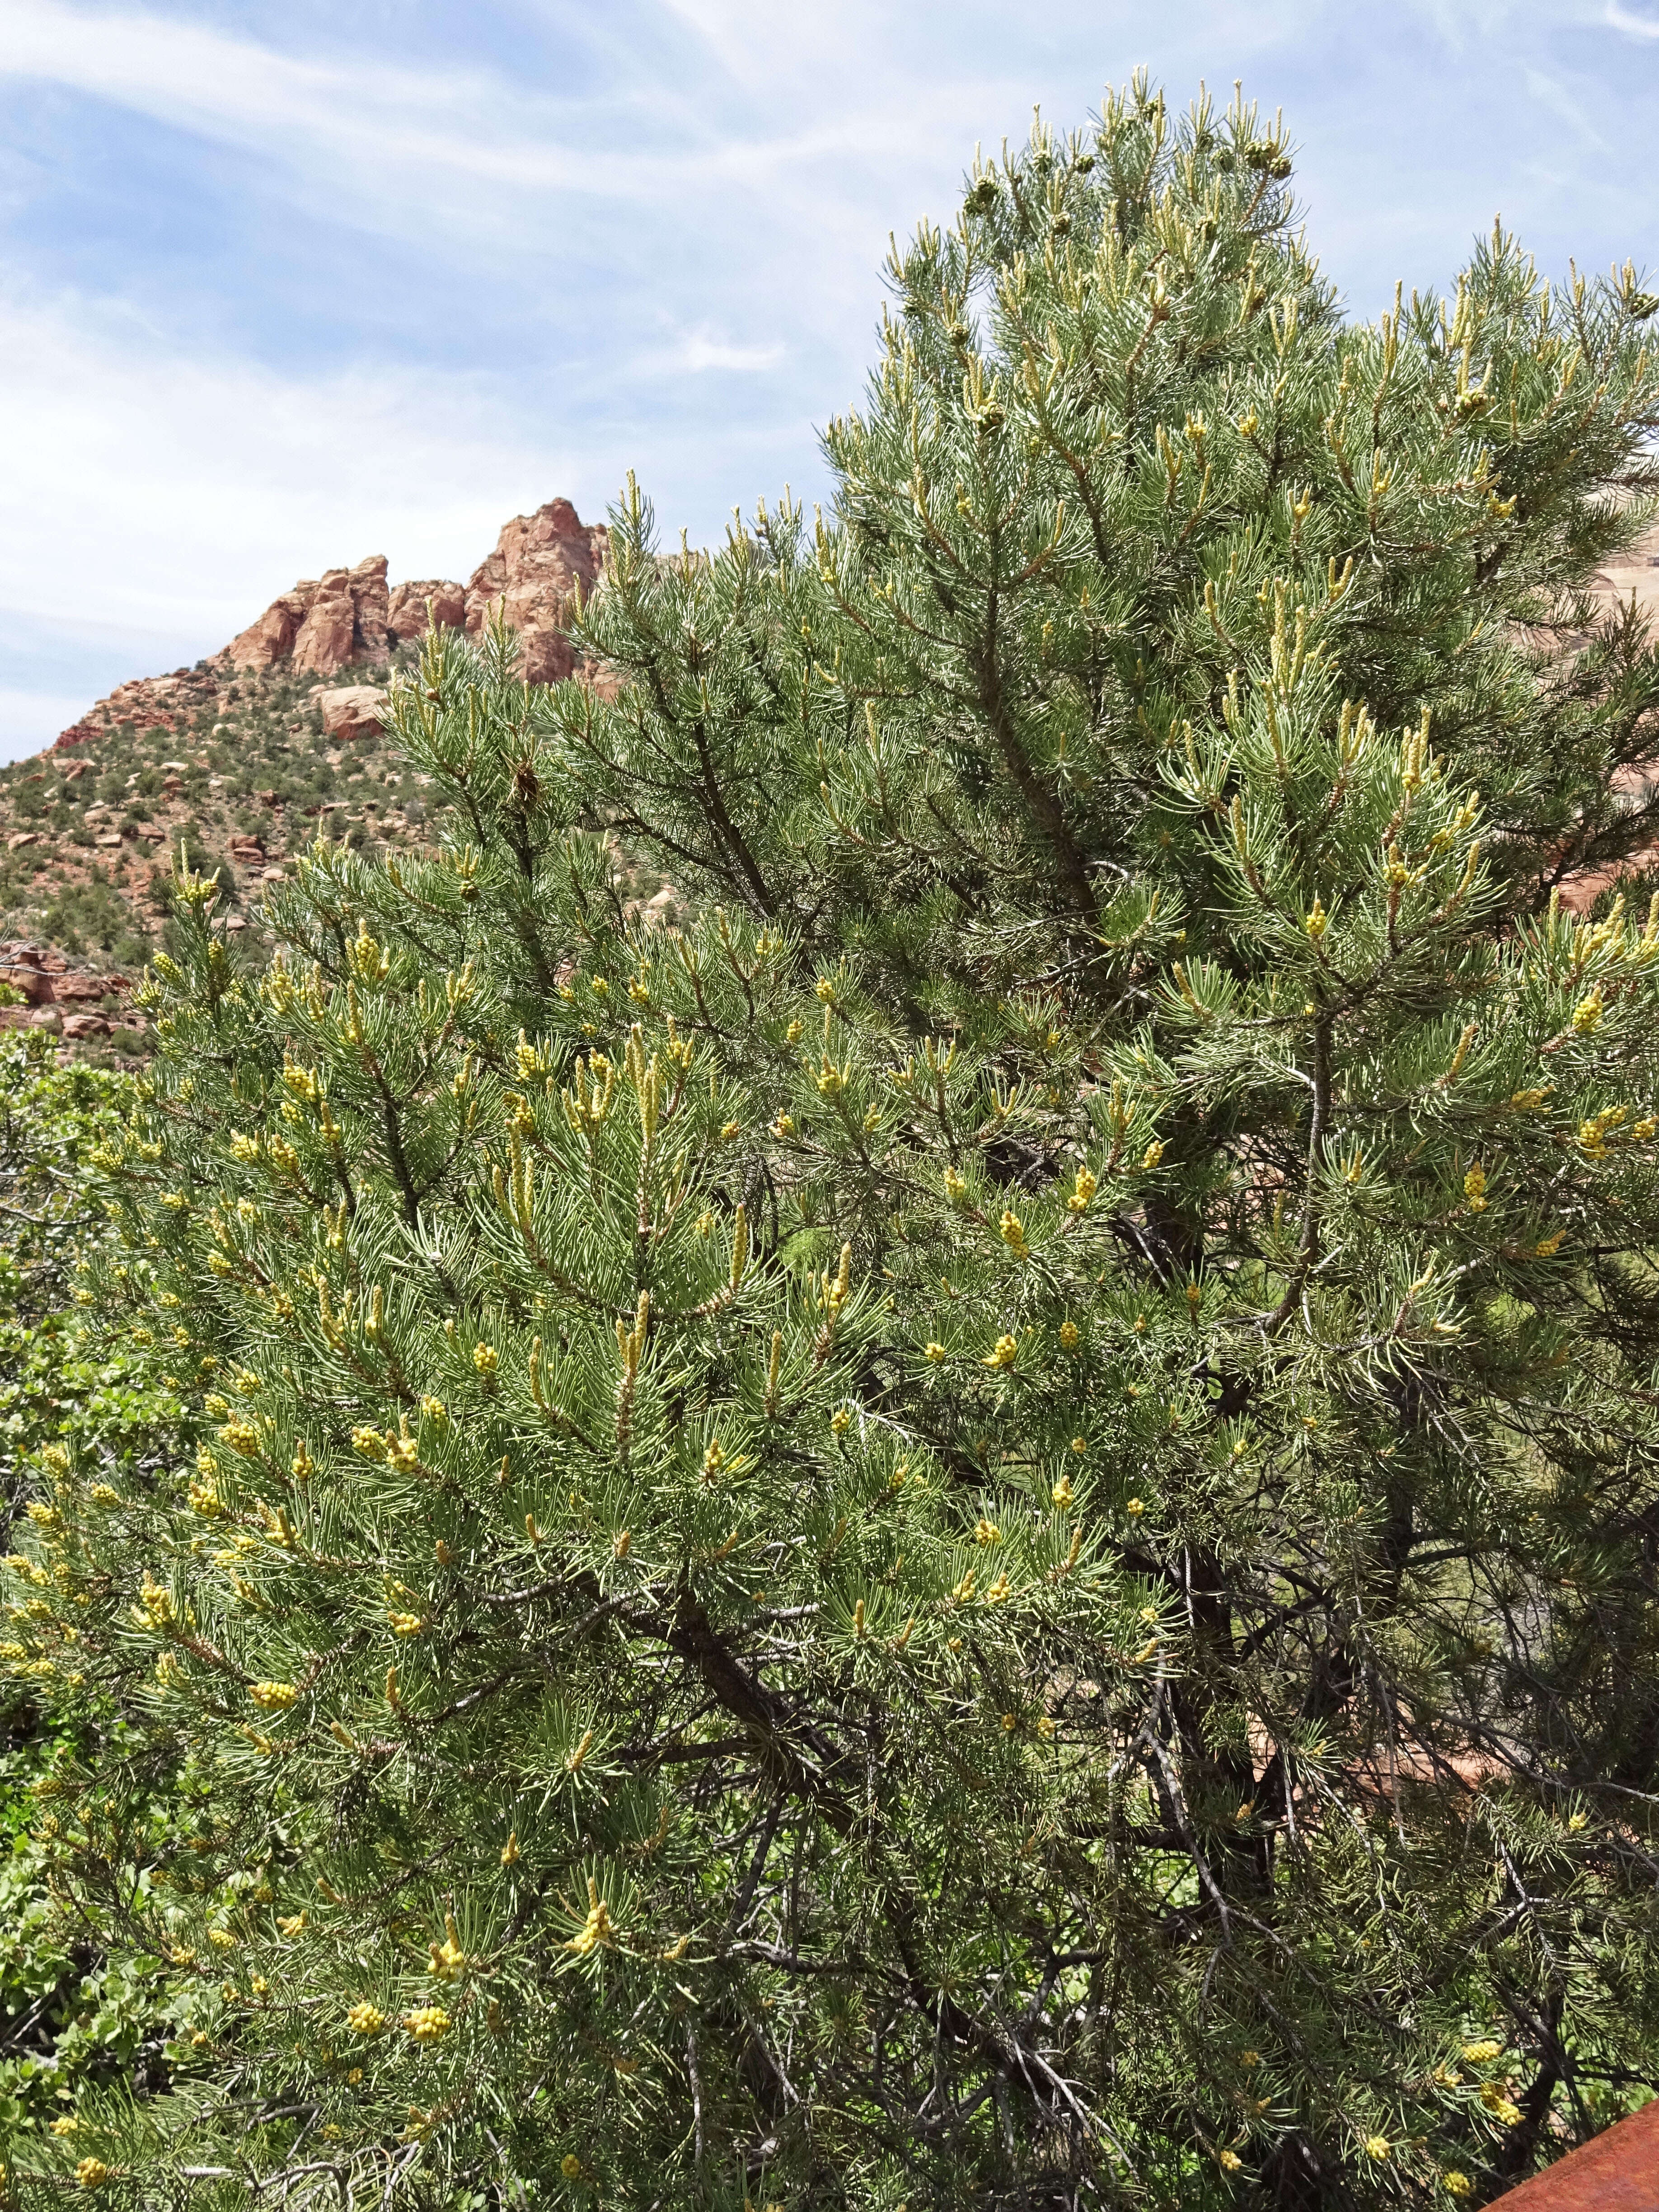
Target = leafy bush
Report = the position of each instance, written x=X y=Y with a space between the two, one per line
x=53 y=1387
x=91 y=916
x=981 y=1533
x=71 y=2015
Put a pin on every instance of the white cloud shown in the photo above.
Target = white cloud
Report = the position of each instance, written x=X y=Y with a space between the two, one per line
x=459 y=146
x=366 y=115
x=1634 y=26
x=702 y=350
x=170 y=492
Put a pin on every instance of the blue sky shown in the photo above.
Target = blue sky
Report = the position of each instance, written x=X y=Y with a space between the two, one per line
x=281 y=286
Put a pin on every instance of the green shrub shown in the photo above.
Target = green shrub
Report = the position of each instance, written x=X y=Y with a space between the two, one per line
x=71 y=2015
x=981 y=1533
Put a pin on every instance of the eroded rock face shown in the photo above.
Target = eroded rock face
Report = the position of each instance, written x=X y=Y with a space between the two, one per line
x=268 y=641
x=322 y=625
x=406 y=617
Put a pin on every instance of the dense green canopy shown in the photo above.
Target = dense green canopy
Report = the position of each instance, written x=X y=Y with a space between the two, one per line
x=980 y=1530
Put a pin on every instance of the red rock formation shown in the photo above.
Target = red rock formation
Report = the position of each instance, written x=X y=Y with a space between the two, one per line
x=406 y=617
x=47 y=986
x=352 y=711
x=346 y=621
x=348 y=617
x=323 y=625
x=268 y=641
x=538 y=561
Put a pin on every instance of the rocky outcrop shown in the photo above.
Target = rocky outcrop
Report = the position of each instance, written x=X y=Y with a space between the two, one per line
x=406 y=617
x=539 y=561
x=353 y=618
x=322 y=626
x=43 y=992
x=268 y=641
x=149 y=702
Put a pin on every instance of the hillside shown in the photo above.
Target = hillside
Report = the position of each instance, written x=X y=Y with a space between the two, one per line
x=242 y=761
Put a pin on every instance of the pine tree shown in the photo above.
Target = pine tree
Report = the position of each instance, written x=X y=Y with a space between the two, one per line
x=979 y=1531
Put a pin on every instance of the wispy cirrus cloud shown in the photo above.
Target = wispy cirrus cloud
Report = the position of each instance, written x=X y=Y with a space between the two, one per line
x=1550 y=92
x=435 y=143
x=129 y=437
x=386 y=124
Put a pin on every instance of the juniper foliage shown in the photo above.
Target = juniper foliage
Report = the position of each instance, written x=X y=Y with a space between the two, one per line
x=980 y=1531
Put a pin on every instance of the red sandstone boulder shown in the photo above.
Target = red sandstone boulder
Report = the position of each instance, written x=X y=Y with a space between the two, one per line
x=353 y=710
x=23 y=972
x=69 y=990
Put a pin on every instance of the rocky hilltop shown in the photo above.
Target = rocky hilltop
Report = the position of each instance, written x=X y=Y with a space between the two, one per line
x=242 y=761
x=355 y=618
